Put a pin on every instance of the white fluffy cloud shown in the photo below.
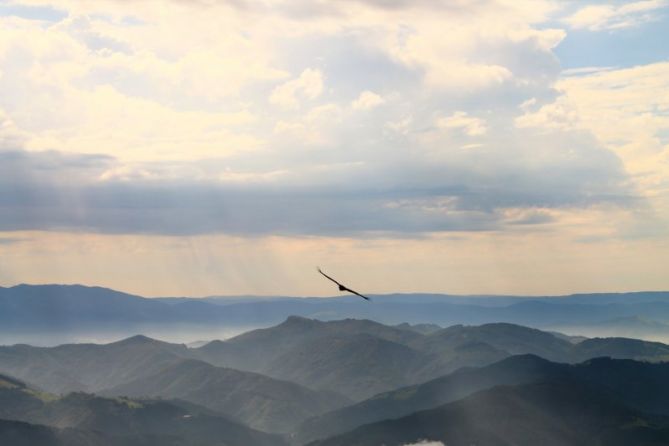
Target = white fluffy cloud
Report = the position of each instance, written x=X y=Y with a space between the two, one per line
x=277 y=118
x=308 y=85
x=10 y=135
x=470 y=125
x=627 y=109
x=610 y=17
x=71 y=83
x=64 y=90
x=367 y=100
x=262 y=90
x=555 y=115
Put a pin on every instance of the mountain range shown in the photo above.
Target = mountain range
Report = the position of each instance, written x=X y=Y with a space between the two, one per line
x=360 y=358
x=343 y=360
x=69 y=309
x=147 y=367
x=640 y=385
x=523 y=400
x=324 y=381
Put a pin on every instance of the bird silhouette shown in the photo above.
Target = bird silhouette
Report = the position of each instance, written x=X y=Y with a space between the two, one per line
x=342 y=287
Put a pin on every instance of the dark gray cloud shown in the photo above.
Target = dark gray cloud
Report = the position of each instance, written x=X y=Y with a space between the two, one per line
x=55 y=191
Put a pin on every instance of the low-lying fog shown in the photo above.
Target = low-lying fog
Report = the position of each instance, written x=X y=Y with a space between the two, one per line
x=602 y=332
x=194 y=335
x=179 y=334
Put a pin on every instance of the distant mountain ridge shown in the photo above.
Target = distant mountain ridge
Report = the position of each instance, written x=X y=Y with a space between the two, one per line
x=57 y=308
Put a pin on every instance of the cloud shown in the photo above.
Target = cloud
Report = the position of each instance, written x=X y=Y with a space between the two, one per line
x=555 y=115
x=367 y=100
x=179 y=94
x=610 y=17
x=309 y=85
x=626 y=110
x=315 y=127
x=623 y=110
x=10 y=135
x=122 y=121
x=58 y=93
x=43 y=13
x=461 y=120
x=100 y=195
x=190 y=145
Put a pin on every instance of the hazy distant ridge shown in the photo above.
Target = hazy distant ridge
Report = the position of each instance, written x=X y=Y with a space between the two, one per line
x=66 y=308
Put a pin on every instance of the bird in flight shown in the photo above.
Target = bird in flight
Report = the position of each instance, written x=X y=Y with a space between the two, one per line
x=342 y=287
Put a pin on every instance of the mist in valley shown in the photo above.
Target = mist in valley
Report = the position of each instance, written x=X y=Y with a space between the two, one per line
x=305 y=381
x=188 y=334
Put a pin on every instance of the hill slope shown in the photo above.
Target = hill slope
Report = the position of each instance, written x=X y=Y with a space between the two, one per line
x=550 y=414
x=80 y=418
x=259 y=401
x=360 y=358
x=642 y=386
x=89 y=367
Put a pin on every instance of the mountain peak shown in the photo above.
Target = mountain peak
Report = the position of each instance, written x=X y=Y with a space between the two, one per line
x=137 y=339
x=300 y=320
x=527 y=359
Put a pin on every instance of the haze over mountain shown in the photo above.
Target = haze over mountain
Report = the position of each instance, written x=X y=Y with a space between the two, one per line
x=315 y=378
x=37 y=313
x=89 y=367
x=79 y=418
x=549 y=413
x=639 y=385
x=360 y=358
x=143 y=367
x=356 y=358
x=310 y=379
x=353 y=358
x=257 y=400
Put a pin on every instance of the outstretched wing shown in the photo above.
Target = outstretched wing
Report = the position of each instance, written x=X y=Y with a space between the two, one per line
x=356 y=293
x=342 y=287
x=319 y=270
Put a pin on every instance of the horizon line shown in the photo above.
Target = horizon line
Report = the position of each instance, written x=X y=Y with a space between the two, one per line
x=280 y=296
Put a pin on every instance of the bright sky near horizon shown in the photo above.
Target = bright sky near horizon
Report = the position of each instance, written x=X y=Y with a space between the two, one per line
x=230 y=146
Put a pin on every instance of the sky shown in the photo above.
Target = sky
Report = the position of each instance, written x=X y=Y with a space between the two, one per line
x=214 y=147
